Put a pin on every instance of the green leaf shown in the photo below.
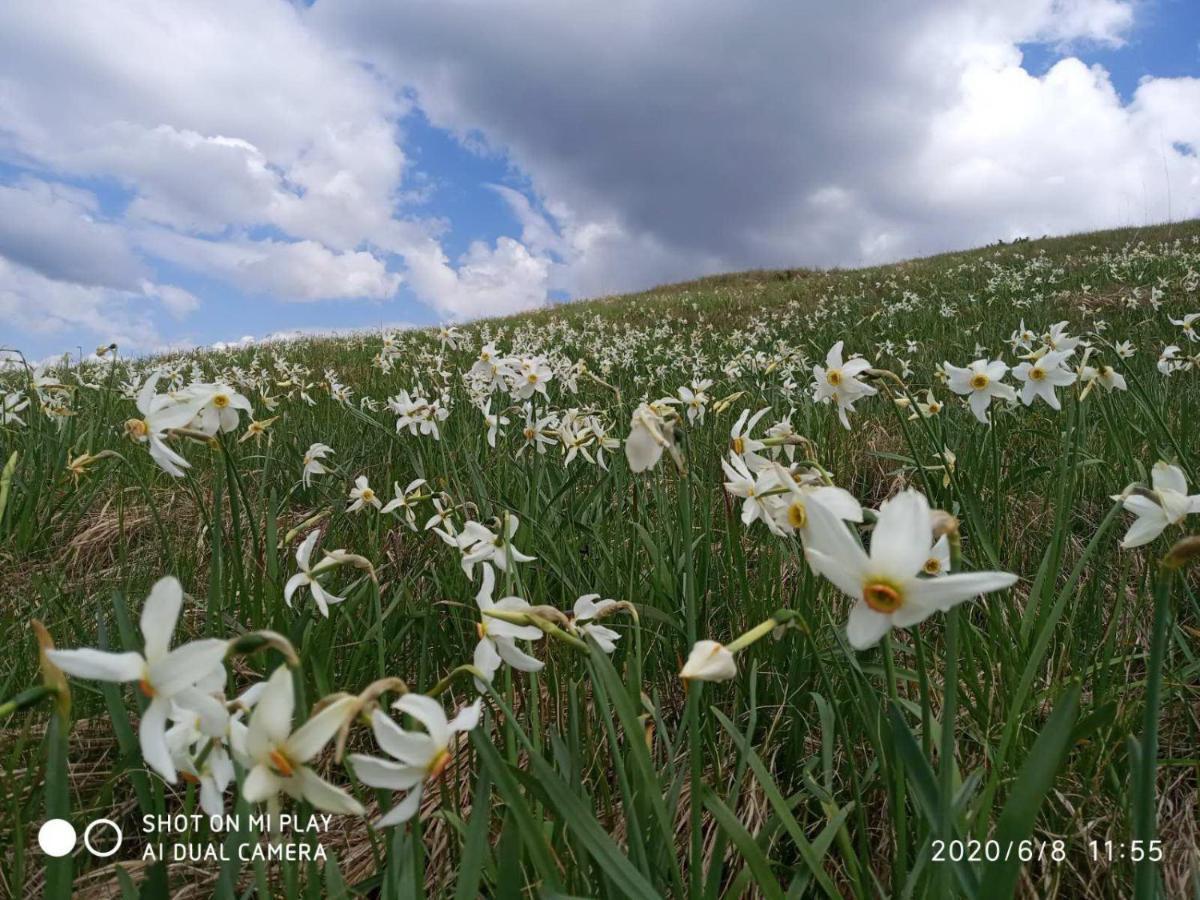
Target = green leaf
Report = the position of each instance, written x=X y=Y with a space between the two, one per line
x=1032 y=783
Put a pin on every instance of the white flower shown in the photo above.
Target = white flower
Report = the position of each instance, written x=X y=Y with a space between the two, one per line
x=708 y=661
x=312 y=462
x=308 y=576
x=478 y=544
x=9 y=407
x=587 y=610
x=1167 y=504
x=420 y=757
x=279 y=756
x=1058 y=340
x=199 y=743
x=745 y=446
x=219 y=409
x=493 y=422
x=979 y=383
x=497 y=638
x=887 y=584
x=695 y=400
x=790 y=511
x=161 y=673
x=405 y=500
x=649 y=435
x=1043 y=375
x=938 y=562
x=362 y=496
x=838 y=381
x=1166 y=360
x=753 y=489
x=1188 y=324
x=162 y=413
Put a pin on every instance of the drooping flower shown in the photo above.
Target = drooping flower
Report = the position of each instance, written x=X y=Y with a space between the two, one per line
x=888 y=584
x=709 y=661
x=420 y=757
x=162 y=413
x=587 y=611
x=1167 y=503
x=163 y=675
x=497 y=638
x=312 y=462
x=308 y=575
x=406 y=500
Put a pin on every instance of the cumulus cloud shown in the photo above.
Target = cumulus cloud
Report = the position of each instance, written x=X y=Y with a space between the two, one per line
x=262 y=144
x=681 y=137
x=53 y=229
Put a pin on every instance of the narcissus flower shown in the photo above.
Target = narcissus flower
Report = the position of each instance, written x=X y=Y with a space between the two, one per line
x=838 y=381
x=587 y=611
x=497 y=638
x=1166 y=504
x=979 y=383
x=888 y=585
x=649 y=435
x=308 y=576
x=362 y=496
x=312 y=462
x=162 y=413
x=163 y=675
x=420 y=757
x=709 y=661
x=1043 y=375
x=279 y=756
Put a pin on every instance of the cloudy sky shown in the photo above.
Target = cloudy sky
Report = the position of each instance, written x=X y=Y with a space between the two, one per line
x=176 y=173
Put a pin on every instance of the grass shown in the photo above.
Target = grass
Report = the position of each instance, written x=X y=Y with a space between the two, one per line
x=819 y=770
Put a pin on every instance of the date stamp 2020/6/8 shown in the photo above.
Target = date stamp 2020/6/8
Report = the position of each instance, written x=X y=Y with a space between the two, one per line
x=1055 y=851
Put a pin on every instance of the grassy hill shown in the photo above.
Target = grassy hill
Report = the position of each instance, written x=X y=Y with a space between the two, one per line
x=819 y=770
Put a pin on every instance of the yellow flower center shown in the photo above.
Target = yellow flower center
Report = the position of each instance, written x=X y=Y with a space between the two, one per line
x=932 y=566
x=280 y=763
x=834 y=377
x=1037 y=373
x=797 y=515
x=979 y=381
x=220 y=401
x=438 y=764
x=368 y=494
x=881 y=597
x=146 y=688
x=137 y=428
x=532 y=377
x=480 y=630
x=738 y=444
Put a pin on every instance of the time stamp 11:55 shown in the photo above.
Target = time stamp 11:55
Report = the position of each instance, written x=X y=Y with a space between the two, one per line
x=971 y=850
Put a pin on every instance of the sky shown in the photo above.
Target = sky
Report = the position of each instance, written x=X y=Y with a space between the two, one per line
x=175 y=174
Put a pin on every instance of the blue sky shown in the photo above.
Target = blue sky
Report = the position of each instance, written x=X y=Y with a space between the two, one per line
x=175 y=174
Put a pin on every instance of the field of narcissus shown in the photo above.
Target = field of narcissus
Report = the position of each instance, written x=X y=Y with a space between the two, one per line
x=781 y=584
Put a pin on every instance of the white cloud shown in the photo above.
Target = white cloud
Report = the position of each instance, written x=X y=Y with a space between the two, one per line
x=676 y=138
x=261 y=143
x=55 y=231
x=289 y=270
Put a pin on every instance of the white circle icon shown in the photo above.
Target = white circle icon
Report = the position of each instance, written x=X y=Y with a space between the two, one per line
x=56 y=837
x=87 y=837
